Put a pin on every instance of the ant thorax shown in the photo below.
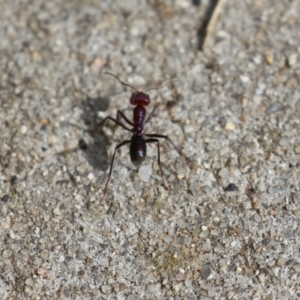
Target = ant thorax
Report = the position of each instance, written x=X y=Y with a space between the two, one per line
x=139 y=114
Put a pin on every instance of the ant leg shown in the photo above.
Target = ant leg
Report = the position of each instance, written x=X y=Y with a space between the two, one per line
x=112 y=162
x=151 y=114
x=158 y=159
x=165 y=137
x=113 y=119
x=120 y=113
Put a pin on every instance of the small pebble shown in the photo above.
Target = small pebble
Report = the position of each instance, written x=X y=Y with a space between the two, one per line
x=91 y=176
x=44 y=255
x=188 y=129
x=214 y=232
x=257 y=99
x=244 y=101
x=261 y=187
x=280 y=261
x=229 y=126
x=284 y=141
x=296 y=212
x=12 y=235
x=5 y=225
x=244 y=79
x=289 y=207
x=292 y=82
x=297 y=149
x=231 y=188
x=185 y=240
x=181 y=223
x=43 y=240
x=145 y=172
x=5 y=198
x=204 y=234
x=257 y=59
x=81 y=168
x=257 y=218
x=206 y=272
x=273 y=108
x=29 y=282
x=41 y=272
x=52 y=140
x=17 y=227
x=233 y=244
x=23 y=129
x=193 y=188
x=82 y=144
x=153 y=288
x=247 y=205
x=223 y=269
x=105 y=288
x=188 y=283
x=262 y=277
x=96 y=65
x=231 y=295
x=292 y=60
x=296 y=268
x=269 y=58
x=56 y=211
x=6 y=254
x=223 y=173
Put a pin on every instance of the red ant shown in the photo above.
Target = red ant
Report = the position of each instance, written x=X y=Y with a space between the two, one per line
x=137 y=143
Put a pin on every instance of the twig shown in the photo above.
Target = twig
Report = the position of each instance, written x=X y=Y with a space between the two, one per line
x=206 y=29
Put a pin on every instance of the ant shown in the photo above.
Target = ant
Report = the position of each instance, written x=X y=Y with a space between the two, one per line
x=138 y=142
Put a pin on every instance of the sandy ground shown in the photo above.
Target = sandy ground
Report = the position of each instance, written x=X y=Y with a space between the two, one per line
x=227 y=228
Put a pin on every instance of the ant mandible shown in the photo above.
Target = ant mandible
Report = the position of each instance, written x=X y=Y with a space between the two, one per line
x=138 y=142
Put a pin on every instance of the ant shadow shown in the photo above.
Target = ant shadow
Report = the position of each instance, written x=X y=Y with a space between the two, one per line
x=95 y=151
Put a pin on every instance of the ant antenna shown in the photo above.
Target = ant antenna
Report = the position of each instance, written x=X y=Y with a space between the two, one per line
x=124 y=83
x=159 y=87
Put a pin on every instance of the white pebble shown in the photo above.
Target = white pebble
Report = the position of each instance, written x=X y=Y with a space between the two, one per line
x=224 y=173
x=145 y=172
x=90 y=176
x=188 y=128
x=233 y=244
x=153 y=288
x=52 y=140
x=23 y=129
x=292 y=59
x=297 y=149
x=257 y=99
x=244 y=79
x=229 y=126
x=56 y=211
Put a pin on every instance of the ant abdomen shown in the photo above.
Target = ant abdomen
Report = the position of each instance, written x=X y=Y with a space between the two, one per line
x=137 y=150
x=140 y=98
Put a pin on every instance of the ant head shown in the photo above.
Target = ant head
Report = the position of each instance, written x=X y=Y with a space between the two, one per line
x=140 y=98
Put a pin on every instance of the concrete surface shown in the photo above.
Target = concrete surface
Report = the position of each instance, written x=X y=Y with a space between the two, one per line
x=228 y=228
